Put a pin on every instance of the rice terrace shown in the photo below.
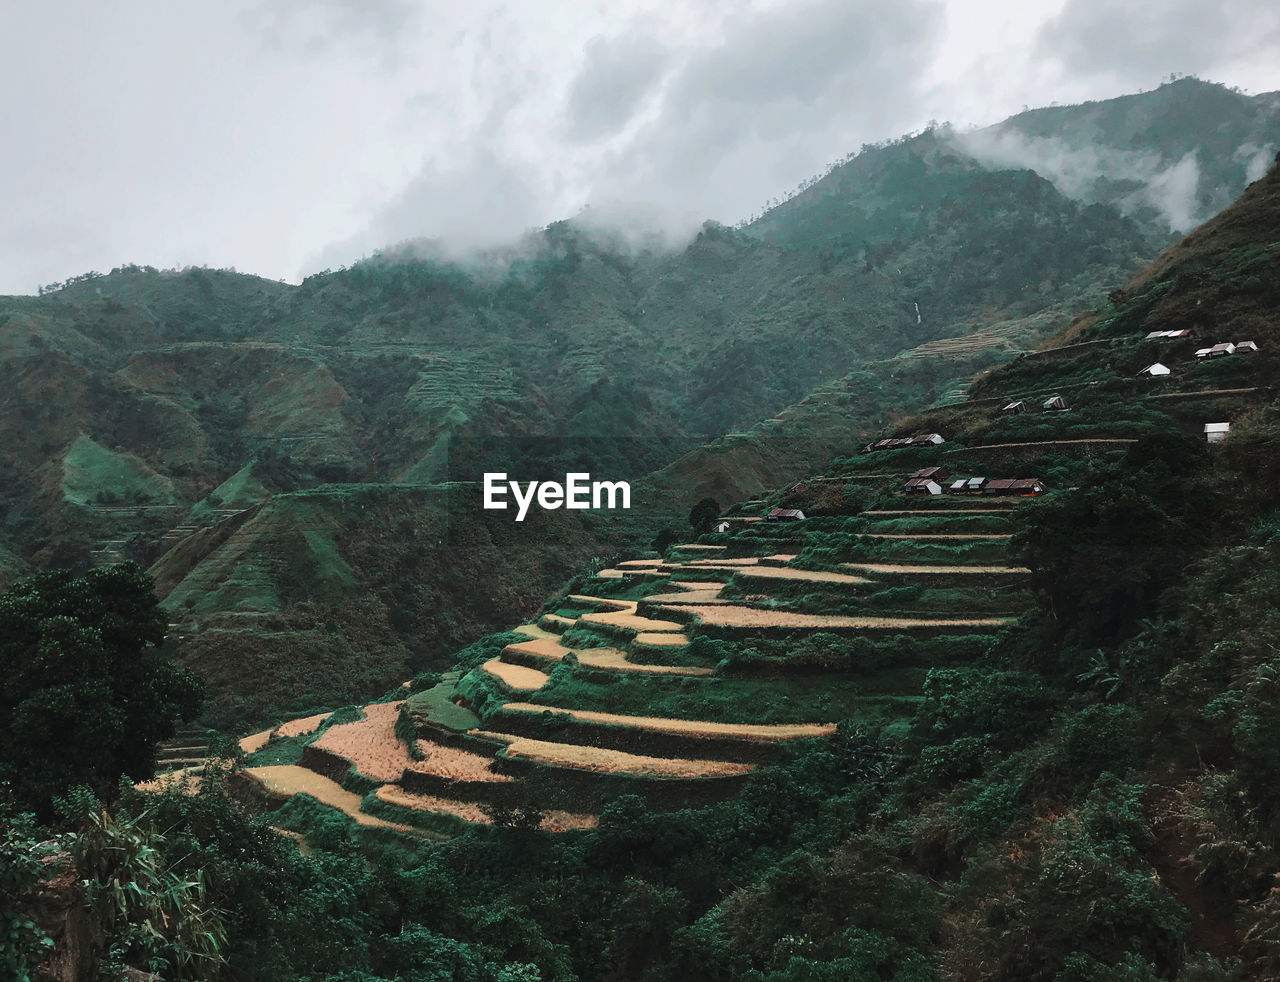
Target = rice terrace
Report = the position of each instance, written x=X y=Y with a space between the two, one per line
x=879 y=584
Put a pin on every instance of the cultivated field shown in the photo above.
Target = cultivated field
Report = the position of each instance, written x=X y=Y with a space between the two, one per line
x=297 y=727
x=553 y=821
x=811 y=576
x=286 y=780
x=607 y=659
x=376 y=752
x=255 y=741
x=629 y=621
x=604 y=761
x=748 y=617
x=516 y=677
x=923 y=569
x=756 y=732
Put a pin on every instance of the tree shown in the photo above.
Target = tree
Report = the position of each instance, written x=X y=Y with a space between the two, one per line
x=703 y=514
x=88 y=691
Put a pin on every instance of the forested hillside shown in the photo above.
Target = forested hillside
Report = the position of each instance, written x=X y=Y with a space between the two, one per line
x=903 y=735
x=142 y=406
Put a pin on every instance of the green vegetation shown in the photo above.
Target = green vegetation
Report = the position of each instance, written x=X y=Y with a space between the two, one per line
x=91 y=474
x=1091 y=792
x=88 y=688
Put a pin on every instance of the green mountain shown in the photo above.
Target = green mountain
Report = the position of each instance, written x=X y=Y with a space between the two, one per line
x=909 y=736
x=133 y=402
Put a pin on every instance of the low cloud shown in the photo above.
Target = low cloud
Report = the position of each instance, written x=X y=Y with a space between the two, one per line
x=619 y=75
x=1136 y=42
x=1130 y=179
x=1256 y=159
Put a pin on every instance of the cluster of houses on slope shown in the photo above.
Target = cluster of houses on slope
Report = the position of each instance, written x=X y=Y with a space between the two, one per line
x=1054 y=404
x=1219 y=350
x=933 y=480
x=898 y=443
x=1224 y=348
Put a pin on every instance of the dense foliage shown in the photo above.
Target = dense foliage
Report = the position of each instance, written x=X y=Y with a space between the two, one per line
x=88 y=688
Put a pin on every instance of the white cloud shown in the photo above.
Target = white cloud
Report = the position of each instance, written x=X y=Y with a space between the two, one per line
x=263 y=134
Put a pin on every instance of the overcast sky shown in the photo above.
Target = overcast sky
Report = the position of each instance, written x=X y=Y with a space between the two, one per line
x=283 y=136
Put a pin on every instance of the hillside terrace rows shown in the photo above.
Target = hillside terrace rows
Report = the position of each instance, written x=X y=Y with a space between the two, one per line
x=676 y=677
x=610 y=693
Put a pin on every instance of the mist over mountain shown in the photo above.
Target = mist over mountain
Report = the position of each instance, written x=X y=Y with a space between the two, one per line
x=133 y=400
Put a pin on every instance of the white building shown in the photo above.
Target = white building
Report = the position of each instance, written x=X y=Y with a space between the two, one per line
x=1216 y=432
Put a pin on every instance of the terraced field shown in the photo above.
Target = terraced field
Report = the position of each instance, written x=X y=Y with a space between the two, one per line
x=672 y=677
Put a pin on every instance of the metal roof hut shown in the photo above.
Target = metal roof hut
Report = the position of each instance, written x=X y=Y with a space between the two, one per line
x=975 y=485
x=1055 y=404
x=932 y=473
x=1245 y=346
x=1027 y=487
x=784 y=515
x=1203 y=352
x=923 y=485
x=1156 y=370
x=1024 y=486
x=721 y=526
x=1216 y=432
x=1015 y=407
x=1222 y=348
x=1168 y=334
x=958 y=486
x=927 y=440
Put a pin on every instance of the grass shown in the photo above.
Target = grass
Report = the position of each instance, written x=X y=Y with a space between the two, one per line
x=435 y=706
x=92 y=474
x=797 y=699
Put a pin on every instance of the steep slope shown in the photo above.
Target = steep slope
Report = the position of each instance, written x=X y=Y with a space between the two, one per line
x=315 y=596
x=882 y=288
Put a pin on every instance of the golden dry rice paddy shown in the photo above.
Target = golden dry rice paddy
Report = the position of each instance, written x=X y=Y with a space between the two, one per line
x=812 y=576
x=756 y=732
x=254 y=742
x=926 y=570
x=376 y=752
x=297 y=727
x=658 y=640
x=607 y=659
x=516 y=677
x=286 y=780
x=614 y=761
x=735 y=616
x=553 y=821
